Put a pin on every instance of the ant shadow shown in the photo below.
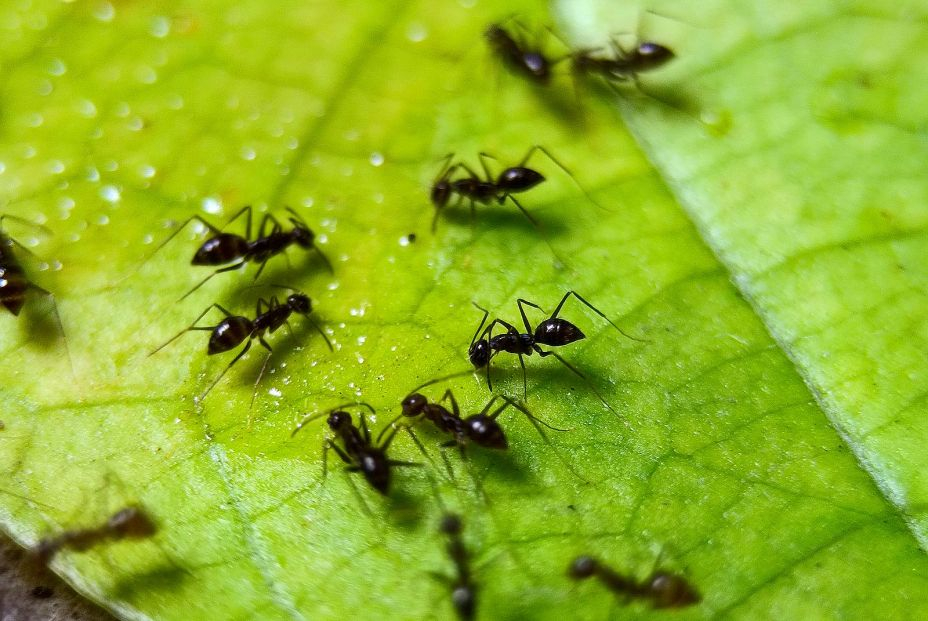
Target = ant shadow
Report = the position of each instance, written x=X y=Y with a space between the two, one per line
x=167 y=577
x=39 y=322
x=499 y=217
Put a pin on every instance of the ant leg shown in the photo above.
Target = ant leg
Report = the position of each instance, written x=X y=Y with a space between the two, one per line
x=524 y=380
x=254 y=393
x=325 y=259
x=534 y=420
x=519 y=303
x=260 y=269
x=275 y=225
x=560 y=165
x=483 y=162
x=422 y=450
x=597 y=311
x=338 y=451
x=236 y=216
x=574 y=370
x=446 y=168
x=228 y=366
x=521 y=208
x=193 y=326
x=486 y=314
x=357 y=492
x=454 y=402
x=307 y=419
x=228 y=268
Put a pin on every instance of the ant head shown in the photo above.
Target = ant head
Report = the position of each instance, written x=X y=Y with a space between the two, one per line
x=441 y=192
x=131 y=522
x=414 y=404
x=465 y=601
x=672 y=591
x=479 y=353
x=302 y=235
x=339 y=420
x=450 y=524
x=299 y=303
x=485 y=431
x=653 y=54
x=376 y=469
x=519 y=179
x=582 y=567
x=538 y=65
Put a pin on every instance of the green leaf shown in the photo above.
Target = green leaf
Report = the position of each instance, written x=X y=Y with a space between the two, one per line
x=764 y=434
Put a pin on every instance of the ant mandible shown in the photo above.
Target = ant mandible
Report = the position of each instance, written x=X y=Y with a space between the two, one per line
x=127 y=523
x=224 y=247
x=517 y=56
x=663 y=589
x=235 y=329
x=512 y=180
x=553 y=332
x=357 y=450
x=463 y=588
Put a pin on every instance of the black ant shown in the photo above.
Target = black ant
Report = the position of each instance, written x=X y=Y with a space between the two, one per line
x=662 y=588
x=127 y=523
x=553 y=332
x=357 y=450
x=234 y=329
x=512 y=180
x=516 y=55
x=463 y=588
x=224 y=248
x=624 y=64
x=13 y=281
x=481 y=428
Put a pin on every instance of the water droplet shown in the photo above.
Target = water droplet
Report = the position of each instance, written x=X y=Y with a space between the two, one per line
x=29 y=152
x=378 y=198
x=292 y=143
x=175 y=102
x=103 y=219
x=275 y=392
x=93 y=174
x=65 y=203
x=362 y=339
x=2 y=168
x=416 y=32
x=376 y=158
x=110 y=166
x=147 y=75
x=147 y=171
x=160 y=26
x=56 y=167
x=110 y=193
x=105 y=12
x=212 y=205
x=34 y=120
x=45 y=88
x=85 y=107
x=135 y=124
x=352 y=135
x=57 y=67
x=122 y=109
x=308 y=202
x=248 y=153
x=717 y=122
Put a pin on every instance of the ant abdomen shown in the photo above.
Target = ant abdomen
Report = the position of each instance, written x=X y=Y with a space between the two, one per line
x=221 y=249
x=485 y=431
x=557 y=332
x=230 y=332
x=519 y=179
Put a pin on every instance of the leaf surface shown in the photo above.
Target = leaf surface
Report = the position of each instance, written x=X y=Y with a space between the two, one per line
x=755 y=442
